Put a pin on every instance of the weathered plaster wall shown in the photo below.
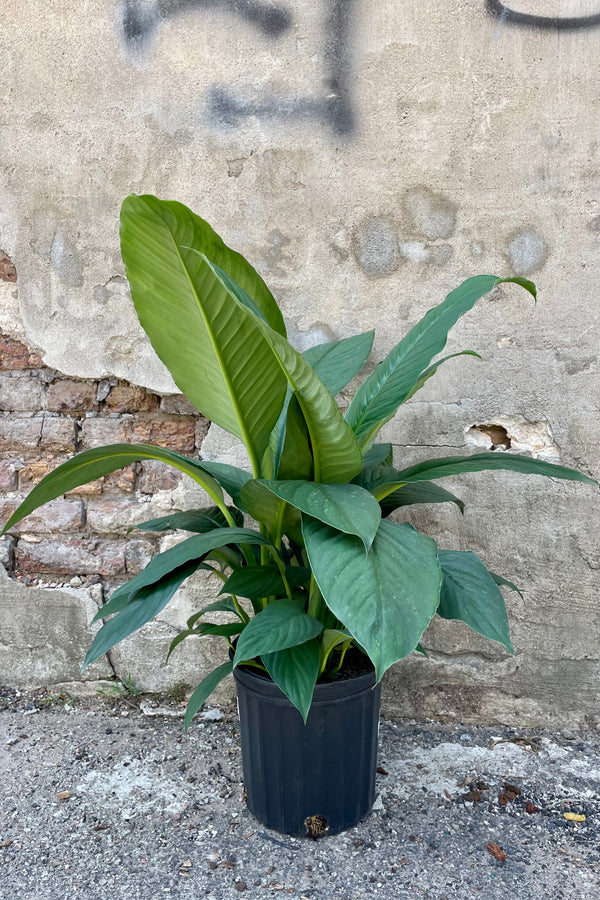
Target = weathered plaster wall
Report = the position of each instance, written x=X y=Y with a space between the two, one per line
x=366 y=158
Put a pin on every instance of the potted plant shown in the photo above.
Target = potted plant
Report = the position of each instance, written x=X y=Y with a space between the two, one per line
x=327 y=592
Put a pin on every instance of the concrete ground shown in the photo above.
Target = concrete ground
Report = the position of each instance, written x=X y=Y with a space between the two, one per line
x=106 y=798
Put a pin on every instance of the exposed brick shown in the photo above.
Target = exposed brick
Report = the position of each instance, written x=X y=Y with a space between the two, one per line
x=97 y=432
x=24 y=393
x=9 y=475
x=158 y=476
x=57 y=516
x=129 y=399
x=137 y=555
x=174 y=433
x=14 y=355
x=7 y=268
x=77 y=557
x=58 y=434
x=92 y=489
x=121 y=481
x=202 y=426
x=34 y=470
x=116 y=516
x=179 y=405
x=64 y=395
x=19 y=434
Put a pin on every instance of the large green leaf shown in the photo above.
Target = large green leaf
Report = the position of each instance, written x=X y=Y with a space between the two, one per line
x=390 y=384
x=419 y=492
x=337 y=362
x=205 y=336
x=197 y=520
x=295 y=671
x=192 y=549
x=255 y=582
x=281 y=624
x=335 y=452
x=92 y=464
x=385 y=598
x=230 y=478
x=346 y=507
x=205 y=689
x=145 y=606
x=478 y=462
x=469 y=593
x=262 y=504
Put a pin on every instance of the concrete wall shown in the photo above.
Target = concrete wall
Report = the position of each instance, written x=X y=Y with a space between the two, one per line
x=366 y=157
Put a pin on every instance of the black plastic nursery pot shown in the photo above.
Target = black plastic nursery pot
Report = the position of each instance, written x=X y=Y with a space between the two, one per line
x=307 y=778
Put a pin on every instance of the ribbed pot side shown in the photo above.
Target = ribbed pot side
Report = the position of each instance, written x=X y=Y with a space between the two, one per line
x=293 y=771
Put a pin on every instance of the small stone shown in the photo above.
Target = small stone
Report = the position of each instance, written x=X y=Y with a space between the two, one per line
x=63 y=795
x=240 y=886
x=211 y=715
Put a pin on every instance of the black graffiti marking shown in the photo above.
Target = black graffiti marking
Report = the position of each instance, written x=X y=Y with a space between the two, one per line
x=511 y=17
x=141 y=18
x=334 y=108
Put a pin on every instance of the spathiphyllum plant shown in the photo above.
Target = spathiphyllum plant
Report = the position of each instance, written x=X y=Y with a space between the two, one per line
x=324 y=568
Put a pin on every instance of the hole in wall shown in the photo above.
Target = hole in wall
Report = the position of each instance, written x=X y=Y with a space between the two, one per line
x=492 y=437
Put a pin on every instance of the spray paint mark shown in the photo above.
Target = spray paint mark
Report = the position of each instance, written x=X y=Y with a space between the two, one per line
x=548 y=23
x=141 y=18
x=330 y=106
x=503 y=16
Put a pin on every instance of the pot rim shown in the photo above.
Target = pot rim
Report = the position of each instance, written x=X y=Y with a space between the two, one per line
x=325 y=691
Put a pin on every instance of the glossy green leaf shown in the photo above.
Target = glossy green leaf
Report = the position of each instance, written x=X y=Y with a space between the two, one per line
x=469 y=593
x=379 y=455
x=93 y=464
x=205 y=689
x=504 y=583
x=390 y=384
x=281 y=624
x=330 y=639
x=335 y=452
x=295 y=671
x=230 y=478
x=457 y=465
x=385 y=598
x=196 y=324
x=254 y=582
x=420 y=492
x=337 y=362
x=197 y=520
x=228 y=630
x=144 y=607
x=225 y=604
x=346 y=507
x=278 y=517
x=192 y=549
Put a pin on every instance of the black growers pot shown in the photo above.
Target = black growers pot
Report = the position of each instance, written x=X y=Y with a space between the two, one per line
x=309 y=778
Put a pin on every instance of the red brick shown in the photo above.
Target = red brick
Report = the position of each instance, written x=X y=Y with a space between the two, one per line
x=15 y=355
x=7 y=268
x=122 y=481
x=126 y=398
x=75 y=557
x=174 y=433
x=65 y=395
